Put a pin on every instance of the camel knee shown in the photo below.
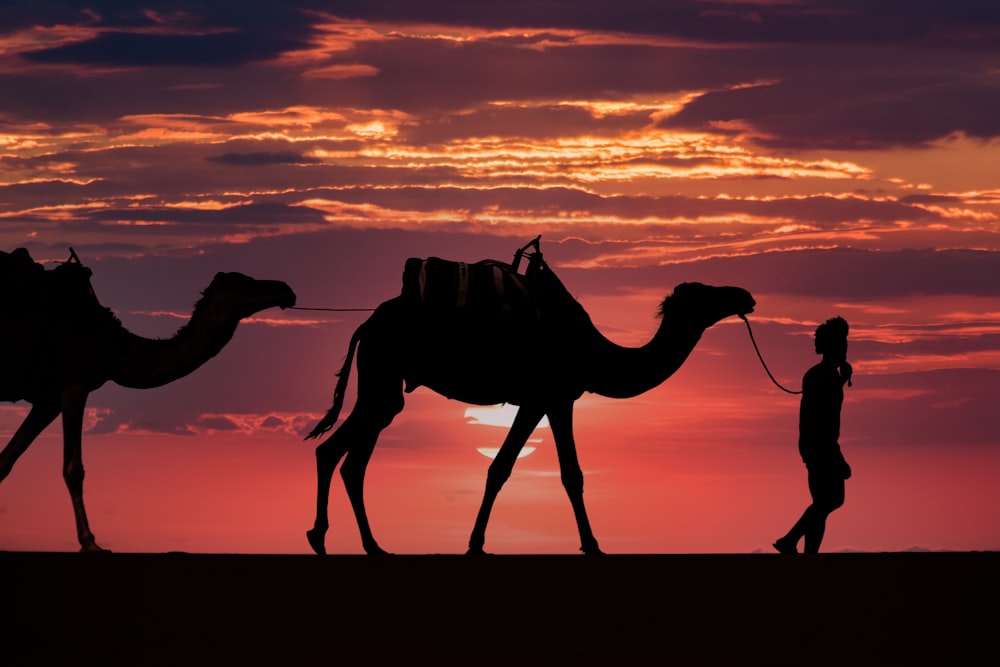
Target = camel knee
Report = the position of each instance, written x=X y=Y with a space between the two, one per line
x=328 y=454
x=572 y=481
x=353 y=473
x=348 y=473
x=73 y=474
x=498 y=474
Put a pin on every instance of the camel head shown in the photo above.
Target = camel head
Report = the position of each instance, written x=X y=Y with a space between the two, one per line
x=707 y=304
x=241 y=296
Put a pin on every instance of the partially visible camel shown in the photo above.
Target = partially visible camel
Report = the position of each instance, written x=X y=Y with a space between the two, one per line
x=62 y=345
x=541 y=364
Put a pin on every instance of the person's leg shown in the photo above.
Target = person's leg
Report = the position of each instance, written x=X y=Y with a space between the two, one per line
x=827 y=490
x=789 y=543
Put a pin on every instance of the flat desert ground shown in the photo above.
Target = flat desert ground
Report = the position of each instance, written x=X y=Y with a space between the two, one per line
x=720 y=609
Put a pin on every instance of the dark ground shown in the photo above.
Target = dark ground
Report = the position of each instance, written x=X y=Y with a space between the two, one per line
x=750 y=610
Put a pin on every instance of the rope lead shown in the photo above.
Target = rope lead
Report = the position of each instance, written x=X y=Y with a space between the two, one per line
x=335 y=310
x=757 y=350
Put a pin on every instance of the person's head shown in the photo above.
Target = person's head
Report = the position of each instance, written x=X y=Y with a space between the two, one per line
x=831 y=339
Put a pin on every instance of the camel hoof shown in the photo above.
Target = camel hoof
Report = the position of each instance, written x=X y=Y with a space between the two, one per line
x=317 y=541
x=93 y=548
x=592 y=551
x=476 y=551
x=376 y=550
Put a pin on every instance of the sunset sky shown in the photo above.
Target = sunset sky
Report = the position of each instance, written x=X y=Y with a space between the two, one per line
x=833 y=157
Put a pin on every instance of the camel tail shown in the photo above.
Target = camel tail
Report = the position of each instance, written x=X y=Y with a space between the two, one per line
x=328 y=421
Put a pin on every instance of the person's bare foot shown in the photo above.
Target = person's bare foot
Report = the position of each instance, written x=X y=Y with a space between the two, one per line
x=785 y=546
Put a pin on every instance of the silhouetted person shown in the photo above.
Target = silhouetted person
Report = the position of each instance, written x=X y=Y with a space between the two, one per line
x=819 y=432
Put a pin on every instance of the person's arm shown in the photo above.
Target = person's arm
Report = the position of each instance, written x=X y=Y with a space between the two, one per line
x=845 y=373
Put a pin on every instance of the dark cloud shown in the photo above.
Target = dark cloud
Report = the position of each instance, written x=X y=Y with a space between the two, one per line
x=218 y=423
x=272 y=422
x=181 y=16
x=50 y=192
x=852 y=114
x=541 y=122
x=423 y=76
x=257 y=213
x=113 y=422
x=850 y=22
x=23 y=14
x=262 y=158
x=120 y=49
x=938 y=200
x=965 y=22
x=842 y=75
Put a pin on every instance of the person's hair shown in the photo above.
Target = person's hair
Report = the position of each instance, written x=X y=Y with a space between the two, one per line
x=834 y=330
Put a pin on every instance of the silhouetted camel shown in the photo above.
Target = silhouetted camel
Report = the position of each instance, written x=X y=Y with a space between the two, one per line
x=541 y=364
x=55 y=354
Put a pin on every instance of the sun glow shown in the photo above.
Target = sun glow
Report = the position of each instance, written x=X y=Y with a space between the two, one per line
x=497 y=415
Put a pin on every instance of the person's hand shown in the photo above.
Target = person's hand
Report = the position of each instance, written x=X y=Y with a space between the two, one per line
x=845 y=372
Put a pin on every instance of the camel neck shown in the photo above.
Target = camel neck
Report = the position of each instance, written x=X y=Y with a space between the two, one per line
x=625 y=372
x=142 y=363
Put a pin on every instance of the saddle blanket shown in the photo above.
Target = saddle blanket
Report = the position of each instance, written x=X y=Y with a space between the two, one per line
x=26 y=287
x=487 y=286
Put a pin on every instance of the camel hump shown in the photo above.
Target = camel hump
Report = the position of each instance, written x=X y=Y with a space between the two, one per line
x=18 y=266
x=27 y=288
x=486 y=287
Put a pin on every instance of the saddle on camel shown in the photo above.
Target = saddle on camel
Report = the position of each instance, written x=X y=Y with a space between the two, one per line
x=27 y=289
x=486 y=288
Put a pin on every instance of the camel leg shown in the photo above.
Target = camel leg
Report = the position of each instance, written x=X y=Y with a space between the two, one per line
x=353 y=475
x=39 y=417
x=525 y=421
x=328 y=455
x=561 y=420
x=72 y=418
x=356 y=438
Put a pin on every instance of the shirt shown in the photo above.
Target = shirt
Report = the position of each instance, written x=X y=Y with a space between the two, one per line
x=819 y=414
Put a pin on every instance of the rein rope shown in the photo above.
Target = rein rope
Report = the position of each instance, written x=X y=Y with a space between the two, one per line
x=759 y=356
x=335 y=310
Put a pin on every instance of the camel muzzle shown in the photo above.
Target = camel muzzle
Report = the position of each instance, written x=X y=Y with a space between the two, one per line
x=287 y=299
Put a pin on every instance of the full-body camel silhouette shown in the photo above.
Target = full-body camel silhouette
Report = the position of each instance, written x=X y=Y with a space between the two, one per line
x=55 y=354
x=540 y=364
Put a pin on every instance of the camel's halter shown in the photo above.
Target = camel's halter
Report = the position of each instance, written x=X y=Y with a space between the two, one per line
x=759 y=356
